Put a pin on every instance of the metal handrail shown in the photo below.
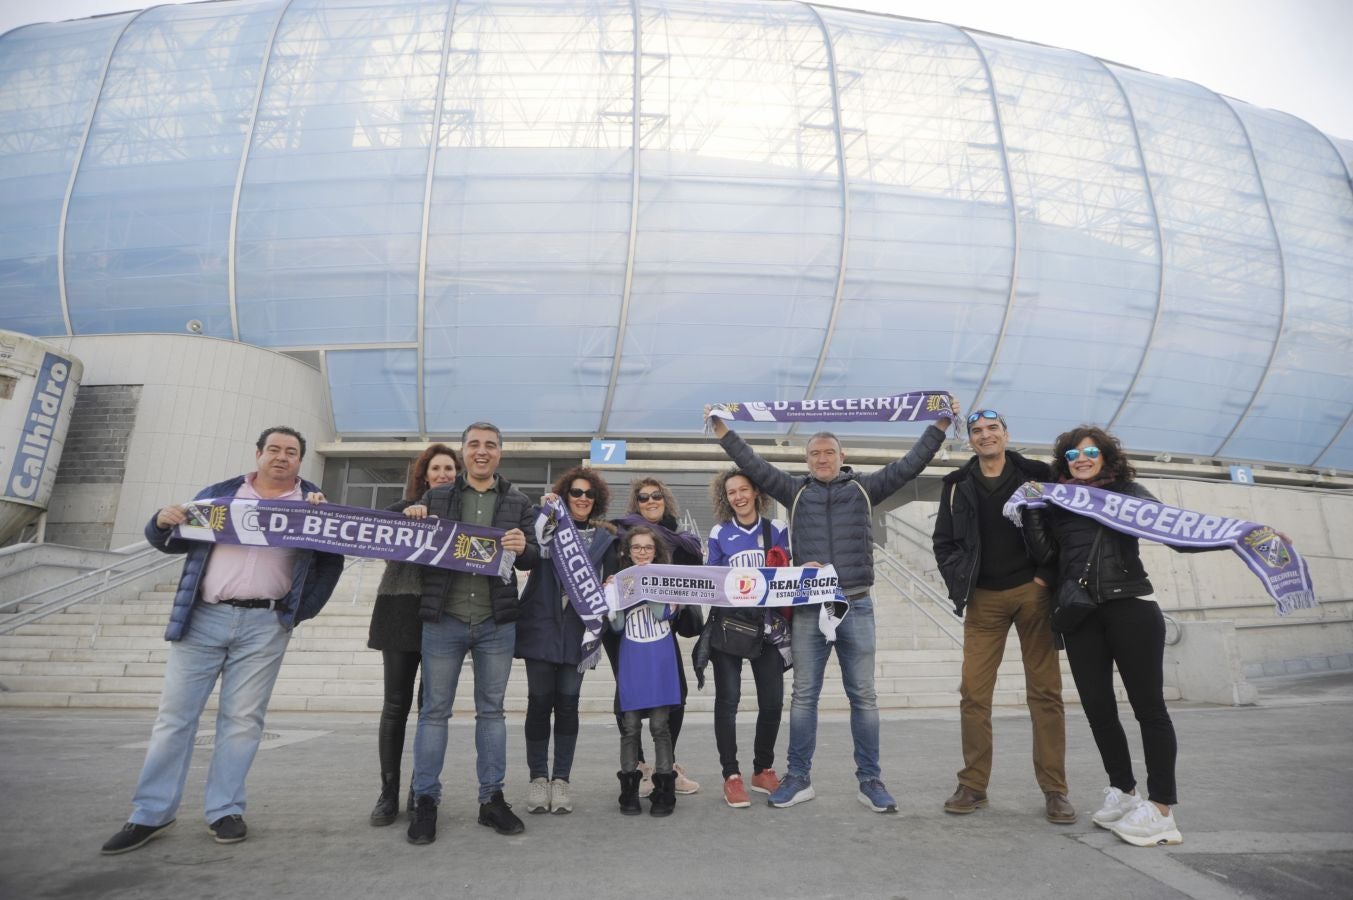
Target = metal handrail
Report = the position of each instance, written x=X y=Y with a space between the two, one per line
x=919 y=584
x=108 y=582
x=911 y=534
x=136 y=557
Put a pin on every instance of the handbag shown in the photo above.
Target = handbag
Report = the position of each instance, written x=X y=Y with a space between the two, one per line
x=737 y=636
x=1073 y=601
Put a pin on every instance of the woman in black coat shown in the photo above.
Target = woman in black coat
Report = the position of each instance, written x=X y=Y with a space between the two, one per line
x=1125 y=630
x=397 y=632
x=550 y=636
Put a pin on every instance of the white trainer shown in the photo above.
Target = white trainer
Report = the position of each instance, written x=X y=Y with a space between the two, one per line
x=1145 y=826
x=1116 y=805
x=538 y=796
x=561 y=798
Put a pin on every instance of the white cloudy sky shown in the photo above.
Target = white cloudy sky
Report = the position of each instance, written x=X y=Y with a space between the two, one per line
x=1291 y=55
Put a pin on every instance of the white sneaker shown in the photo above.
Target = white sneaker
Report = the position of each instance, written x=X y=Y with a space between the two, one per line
x=1145 y=826
x=1116 y=805
x=538 y=796
x=561 y=798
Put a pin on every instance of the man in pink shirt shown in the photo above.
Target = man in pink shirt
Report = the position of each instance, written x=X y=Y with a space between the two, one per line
x=233 y=613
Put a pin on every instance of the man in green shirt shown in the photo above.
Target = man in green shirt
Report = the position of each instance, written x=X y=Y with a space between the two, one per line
x=464 y=613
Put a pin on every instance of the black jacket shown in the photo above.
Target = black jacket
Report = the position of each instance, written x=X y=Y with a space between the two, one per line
x=547 y=628
x=957 y=541
x=1116 y=570
x=512 y=510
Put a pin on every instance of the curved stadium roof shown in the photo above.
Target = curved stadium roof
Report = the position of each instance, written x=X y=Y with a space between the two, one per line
x=631 y=209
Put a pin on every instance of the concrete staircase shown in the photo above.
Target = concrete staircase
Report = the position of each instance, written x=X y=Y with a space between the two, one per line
x=113 y=657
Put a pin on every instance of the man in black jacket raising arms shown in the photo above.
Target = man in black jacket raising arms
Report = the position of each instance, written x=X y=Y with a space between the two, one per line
x=987 y=568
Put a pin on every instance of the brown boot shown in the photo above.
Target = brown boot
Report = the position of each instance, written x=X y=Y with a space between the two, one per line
x=1059 y=809
x=965 y=800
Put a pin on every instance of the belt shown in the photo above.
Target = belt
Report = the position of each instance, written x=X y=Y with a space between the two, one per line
x=253 y=604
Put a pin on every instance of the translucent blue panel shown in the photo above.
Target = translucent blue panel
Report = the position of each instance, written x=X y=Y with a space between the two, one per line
x=1222 y=289
x=49 y=75
x=529 y=227
x=930 y=241
x=1088 y=274
x=739 y=212
x=374 y=391
x=1307 y=394
x=149 y=220
x=1340 y=452
x=330 y=220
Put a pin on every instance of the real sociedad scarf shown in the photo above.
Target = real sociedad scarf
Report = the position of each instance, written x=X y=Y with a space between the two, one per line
x=1276 y=562
x=734 y=588
x=915 y=406
x=573 y=568
x=350 y=530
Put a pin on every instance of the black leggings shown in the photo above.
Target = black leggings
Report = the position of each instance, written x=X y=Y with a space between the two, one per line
x=675 y=714
x=401 y=667
x=1131 y=634
x=768 y=671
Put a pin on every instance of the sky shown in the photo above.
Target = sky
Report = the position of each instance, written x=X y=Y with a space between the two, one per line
x=1289 y=55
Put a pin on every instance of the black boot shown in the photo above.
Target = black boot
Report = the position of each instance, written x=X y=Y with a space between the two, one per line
x=387 y=807
x=663 y=798
x=629 y=793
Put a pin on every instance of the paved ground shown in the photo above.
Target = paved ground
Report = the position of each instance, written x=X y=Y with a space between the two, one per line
x=1267 y=811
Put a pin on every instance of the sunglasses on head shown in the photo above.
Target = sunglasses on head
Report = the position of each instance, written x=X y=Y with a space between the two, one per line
x=983 y=414
x=589 y=493
x=1074 y=453
x=644 y=498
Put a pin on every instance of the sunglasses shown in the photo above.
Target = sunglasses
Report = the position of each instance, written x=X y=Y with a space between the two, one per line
x=589 y=493
x=1074 y=453
x=645 y=498
x=983 y=414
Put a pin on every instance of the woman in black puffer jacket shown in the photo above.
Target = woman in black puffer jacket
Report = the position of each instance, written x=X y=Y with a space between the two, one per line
x=1126 y=630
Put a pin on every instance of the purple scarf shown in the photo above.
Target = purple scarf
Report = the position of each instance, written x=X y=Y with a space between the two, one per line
x=574 y=570
x=354 y=531
x=675 y=540
x=914 y=406
x=1276 y=562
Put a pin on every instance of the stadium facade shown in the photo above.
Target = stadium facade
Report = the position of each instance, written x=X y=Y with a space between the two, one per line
x=586 y=217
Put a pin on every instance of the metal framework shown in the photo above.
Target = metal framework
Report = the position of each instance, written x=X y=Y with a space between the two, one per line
x=643 y=207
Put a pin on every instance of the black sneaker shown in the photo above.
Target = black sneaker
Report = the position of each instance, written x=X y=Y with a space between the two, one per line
x=423 y=822
x=134 y=837
x=229 y=829
x=498 y=815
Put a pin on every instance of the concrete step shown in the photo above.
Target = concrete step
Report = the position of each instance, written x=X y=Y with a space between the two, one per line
x=112 y=656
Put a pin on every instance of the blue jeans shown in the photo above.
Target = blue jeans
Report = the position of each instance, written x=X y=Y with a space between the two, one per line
x=244 y=648
x=445 y=644
x=855 y=652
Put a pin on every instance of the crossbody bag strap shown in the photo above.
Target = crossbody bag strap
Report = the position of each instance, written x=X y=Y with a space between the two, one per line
x=1089 y=561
